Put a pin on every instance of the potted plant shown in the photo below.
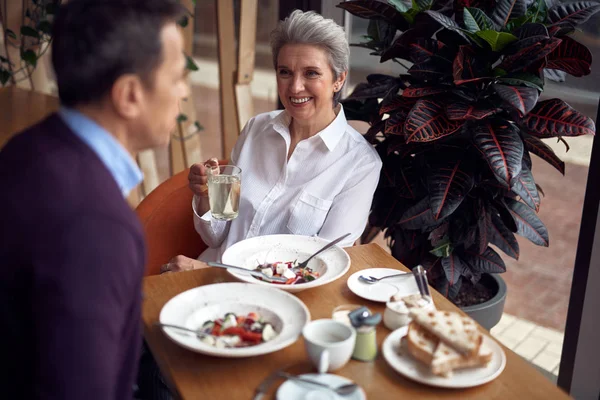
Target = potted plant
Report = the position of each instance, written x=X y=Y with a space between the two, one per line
x=456 y=130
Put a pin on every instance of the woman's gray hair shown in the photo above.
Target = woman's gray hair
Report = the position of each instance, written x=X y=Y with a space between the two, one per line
x=311 y=28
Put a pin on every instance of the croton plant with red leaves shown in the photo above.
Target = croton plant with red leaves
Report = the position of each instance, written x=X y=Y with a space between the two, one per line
x=457 y=130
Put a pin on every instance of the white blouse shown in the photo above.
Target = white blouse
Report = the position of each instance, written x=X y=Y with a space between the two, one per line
x=325 y=189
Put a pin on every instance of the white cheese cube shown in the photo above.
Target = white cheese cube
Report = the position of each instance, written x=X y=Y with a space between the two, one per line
x=267 y=271
x=288 y=274
x=281 y=268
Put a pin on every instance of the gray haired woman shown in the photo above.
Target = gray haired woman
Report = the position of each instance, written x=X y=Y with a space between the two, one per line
x=305 y=171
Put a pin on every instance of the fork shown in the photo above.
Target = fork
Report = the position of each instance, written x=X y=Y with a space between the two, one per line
x=372 y=279
x=248 y=271
x=328 y=245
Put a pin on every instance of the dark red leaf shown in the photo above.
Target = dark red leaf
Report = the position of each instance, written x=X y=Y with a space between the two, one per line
x=418 y=216
x=396 y=103
x=524 y=186
x=374 y=130
x=431 y=69
x=446 y=289
x=460 y=110
x=373 y=9
x=423 y=49
x=521 y=98
x=505 y=214
x=531 y=29
x=484 y=220
x=427 y=121
x=503 y=238
x=572 y=57
x=443 y=20
x=506 y=9
x=489 y=262
x=554 y=117
x=465 y=67
x=416 y=91
x=528 y=223
x=529 y=55
x=502 y=147
x=454 y=268
x=572 y=14
x=542 y=150
x=448 y=182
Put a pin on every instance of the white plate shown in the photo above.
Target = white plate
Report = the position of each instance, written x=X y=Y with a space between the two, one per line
x=381 y=291
x=192 y=308
x=406 y=365
x=293 y=390
x=249 y=253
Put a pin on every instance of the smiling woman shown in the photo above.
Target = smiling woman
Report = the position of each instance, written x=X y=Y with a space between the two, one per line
x=305 y=171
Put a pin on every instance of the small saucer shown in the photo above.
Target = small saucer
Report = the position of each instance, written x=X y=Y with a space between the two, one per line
x=381 y=291
x=294 y=390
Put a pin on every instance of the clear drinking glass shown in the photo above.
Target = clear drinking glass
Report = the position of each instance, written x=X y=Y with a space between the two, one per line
x=224 y=184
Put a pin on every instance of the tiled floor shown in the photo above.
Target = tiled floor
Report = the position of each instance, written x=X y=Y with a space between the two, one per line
x=539 y=345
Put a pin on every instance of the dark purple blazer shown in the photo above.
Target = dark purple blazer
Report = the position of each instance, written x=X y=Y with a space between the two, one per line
x=72 y=260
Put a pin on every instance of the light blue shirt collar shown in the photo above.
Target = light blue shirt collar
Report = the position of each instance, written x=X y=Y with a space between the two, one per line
x=114 y=156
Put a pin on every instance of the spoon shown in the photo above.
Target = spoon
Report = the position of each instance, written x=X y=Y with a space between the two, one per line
x=342 y=390
x=328 y=245
x=248 y=271
x=196 y=332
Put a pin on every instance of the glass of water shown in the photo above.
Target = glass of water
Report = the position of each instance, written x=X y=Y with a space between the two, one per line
x=224 y=184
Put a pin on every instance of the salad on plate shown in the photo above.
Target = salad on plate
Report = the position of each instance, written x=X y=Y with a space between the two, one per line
x=288 y=270
x=237 y=331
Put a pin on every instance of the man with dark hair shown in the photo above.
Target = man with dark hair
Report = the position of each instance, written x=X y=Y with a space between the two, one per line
x=72 y=250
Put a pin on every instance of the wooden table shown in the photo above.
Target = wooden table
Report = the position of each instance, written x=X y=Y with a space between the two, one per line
x=20 y=109
x=196 y=376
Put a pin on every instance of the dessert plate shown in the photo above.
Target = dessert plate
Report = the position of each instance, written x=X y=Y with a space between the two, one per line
x=381 y=291
x=293 y=390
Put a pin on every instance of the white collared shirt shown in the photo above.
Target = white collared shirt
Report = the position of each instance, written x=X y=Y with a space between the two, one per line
x=325 y=189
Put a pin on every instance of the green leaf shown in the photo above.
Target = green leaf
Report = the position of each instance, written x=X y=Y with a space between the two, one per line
x=4 y=76
x=400 y=5
x=421 y=5
x=497 y=40
x=410 y=15
x=45 y=27
x=29 y=57
x=524 y=79
x=10 y=34
x=476 y=20
x=182 y=118
x=183 y=22
x=499 y=72
x=538 y=11
x=444 y=249
x=190 y=64
x=198 y=126
x=516 y=23
x=29 y=31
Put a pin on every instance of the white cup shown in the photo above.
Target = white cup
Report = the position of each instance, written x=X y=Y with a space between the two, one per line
x=329 y=344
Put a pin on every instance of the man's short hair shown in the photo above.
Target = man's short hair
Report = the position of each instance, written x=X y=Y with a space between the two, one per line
x=97 y=41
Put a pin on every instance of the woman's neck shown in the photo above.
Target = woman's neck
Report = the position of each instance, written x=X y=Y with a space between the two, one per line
x=300 y=130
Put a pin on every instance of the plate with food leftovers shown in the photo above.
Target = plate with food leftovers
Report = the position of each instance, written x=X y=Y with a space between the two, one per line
x=444 y=349
x=234 y=319
x=281 y=256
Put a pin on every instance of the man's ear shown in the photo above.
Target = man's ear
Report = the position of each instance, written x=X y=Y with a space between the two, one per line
x=127 y=96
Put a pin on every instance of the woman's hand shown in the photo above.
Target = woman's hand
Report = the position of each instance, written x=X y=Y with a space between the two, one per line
x=182 y=263
x=198 y=177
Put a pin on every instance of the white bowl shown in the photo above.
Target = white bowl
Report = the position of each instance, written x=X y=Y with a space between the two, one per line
x=192 y=308
x=330 y=264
